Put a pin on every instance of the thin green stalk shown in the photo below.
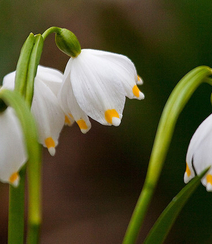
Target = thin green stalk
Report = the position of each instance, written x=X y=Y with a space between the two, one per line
x=176 y=102
x=16 y=211
x=49 y=31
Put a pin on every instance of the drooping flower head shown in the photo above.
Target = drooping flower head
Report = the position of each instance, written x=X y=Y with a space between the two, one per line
x=199 y=154
x=12 y=148
x=48 y=114
x=96 y=84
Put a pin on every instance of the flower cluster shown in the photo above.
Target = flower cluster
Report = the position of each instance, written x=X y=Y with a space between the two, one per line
x=95 y=84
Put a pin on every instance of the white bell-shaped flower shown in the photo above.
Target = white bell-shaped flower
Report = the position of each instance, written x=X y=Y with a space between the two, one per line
x=199 y=154
x=95 y=84
x=12 y=148
x=48 y=114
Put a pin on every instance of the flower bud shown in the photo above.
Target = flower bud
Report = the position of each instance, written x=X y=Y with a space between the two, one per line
x=67 y=42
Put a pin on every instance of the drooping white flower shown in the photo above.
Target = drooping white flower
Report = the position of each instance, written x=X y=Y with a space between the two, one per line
x=12 y=148
x=48 y=114
x=199 y=154
x=95 y=84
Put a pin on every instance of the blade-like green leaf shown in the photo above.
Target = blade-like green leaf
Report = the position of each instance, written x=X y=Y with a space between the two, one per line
x=164 y=223
x=22 y=66
x=32 y=67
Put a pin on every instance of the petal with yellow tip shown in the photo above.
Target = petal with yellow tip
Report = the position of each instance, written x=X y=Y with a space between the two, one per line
x=12 y=148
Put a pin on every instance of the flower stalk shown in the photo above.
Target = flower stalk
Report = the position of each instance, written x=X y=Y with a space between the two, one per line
x=175 y=104
x=16 y=211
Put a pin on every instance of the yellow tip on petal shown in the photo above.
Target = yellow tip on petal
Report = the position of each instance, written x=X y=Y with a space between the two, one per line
x=209 y=179
x=69 y=119
x=14 y=179
x=209 y=182
x=112 y=117
x=82 y=125
x=139 y=80
x=137 y=93
x=187 y=176
x=50 y=144
x=188 y=171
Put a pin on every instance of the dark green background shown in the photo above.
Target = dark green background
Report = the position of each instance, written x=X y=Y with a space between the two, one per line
x=92 y=184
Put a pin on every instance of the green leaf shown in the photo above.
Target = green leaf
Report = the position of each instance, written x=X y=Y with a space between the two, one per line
x=22 y=65
x=32 y=67
x=164 y=223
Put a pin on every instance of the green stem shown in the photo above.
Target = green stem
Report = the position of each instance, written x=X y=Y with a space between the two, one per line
x=16 y=211
x=176 y=102
x=49 y=31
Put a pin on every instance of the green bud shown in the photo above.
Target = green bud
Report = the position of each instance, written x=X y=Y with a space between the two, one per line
x=67 y=42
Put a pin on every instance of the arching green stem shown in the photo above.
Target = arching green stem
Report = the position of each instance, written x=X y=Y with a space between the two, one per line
x=49 y=31
x=176 y=102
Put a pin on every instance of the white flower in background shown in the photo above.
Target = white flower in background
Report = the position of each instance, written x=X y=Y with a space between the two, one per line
x=199 y=154
x=12 y=148
x=48 y=114
x=95 y=84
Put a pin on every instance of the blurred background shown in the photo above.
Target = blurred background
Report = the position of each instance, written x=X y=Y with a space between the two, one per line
x=92 y=184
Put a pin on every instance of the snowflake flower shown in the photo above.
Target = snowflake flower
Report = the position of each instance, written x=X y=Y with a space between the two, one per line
x=48 y=114
x=95 y=84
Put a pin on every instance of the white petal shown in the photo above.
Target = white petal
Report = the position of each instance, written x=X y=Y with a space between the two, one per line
x=200 y=153
x=48 y=114
x=123 y=67
x=200 y=134
x=70 y=106
x=12 y=149
x=9 y=81
x=51 y=77
x=45 y=106
x=96 y=87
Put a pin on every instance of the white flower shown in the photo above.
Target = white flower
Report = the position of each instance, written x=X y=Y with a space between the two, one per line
x=199 y=154
x=48 y=114
x=95 y=84
x=12 y=148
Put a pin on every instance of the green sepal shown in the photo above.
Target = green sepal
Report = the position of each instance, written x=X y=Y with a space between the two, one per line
x=32 y=67
x=22 y=65
x=162 y=226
